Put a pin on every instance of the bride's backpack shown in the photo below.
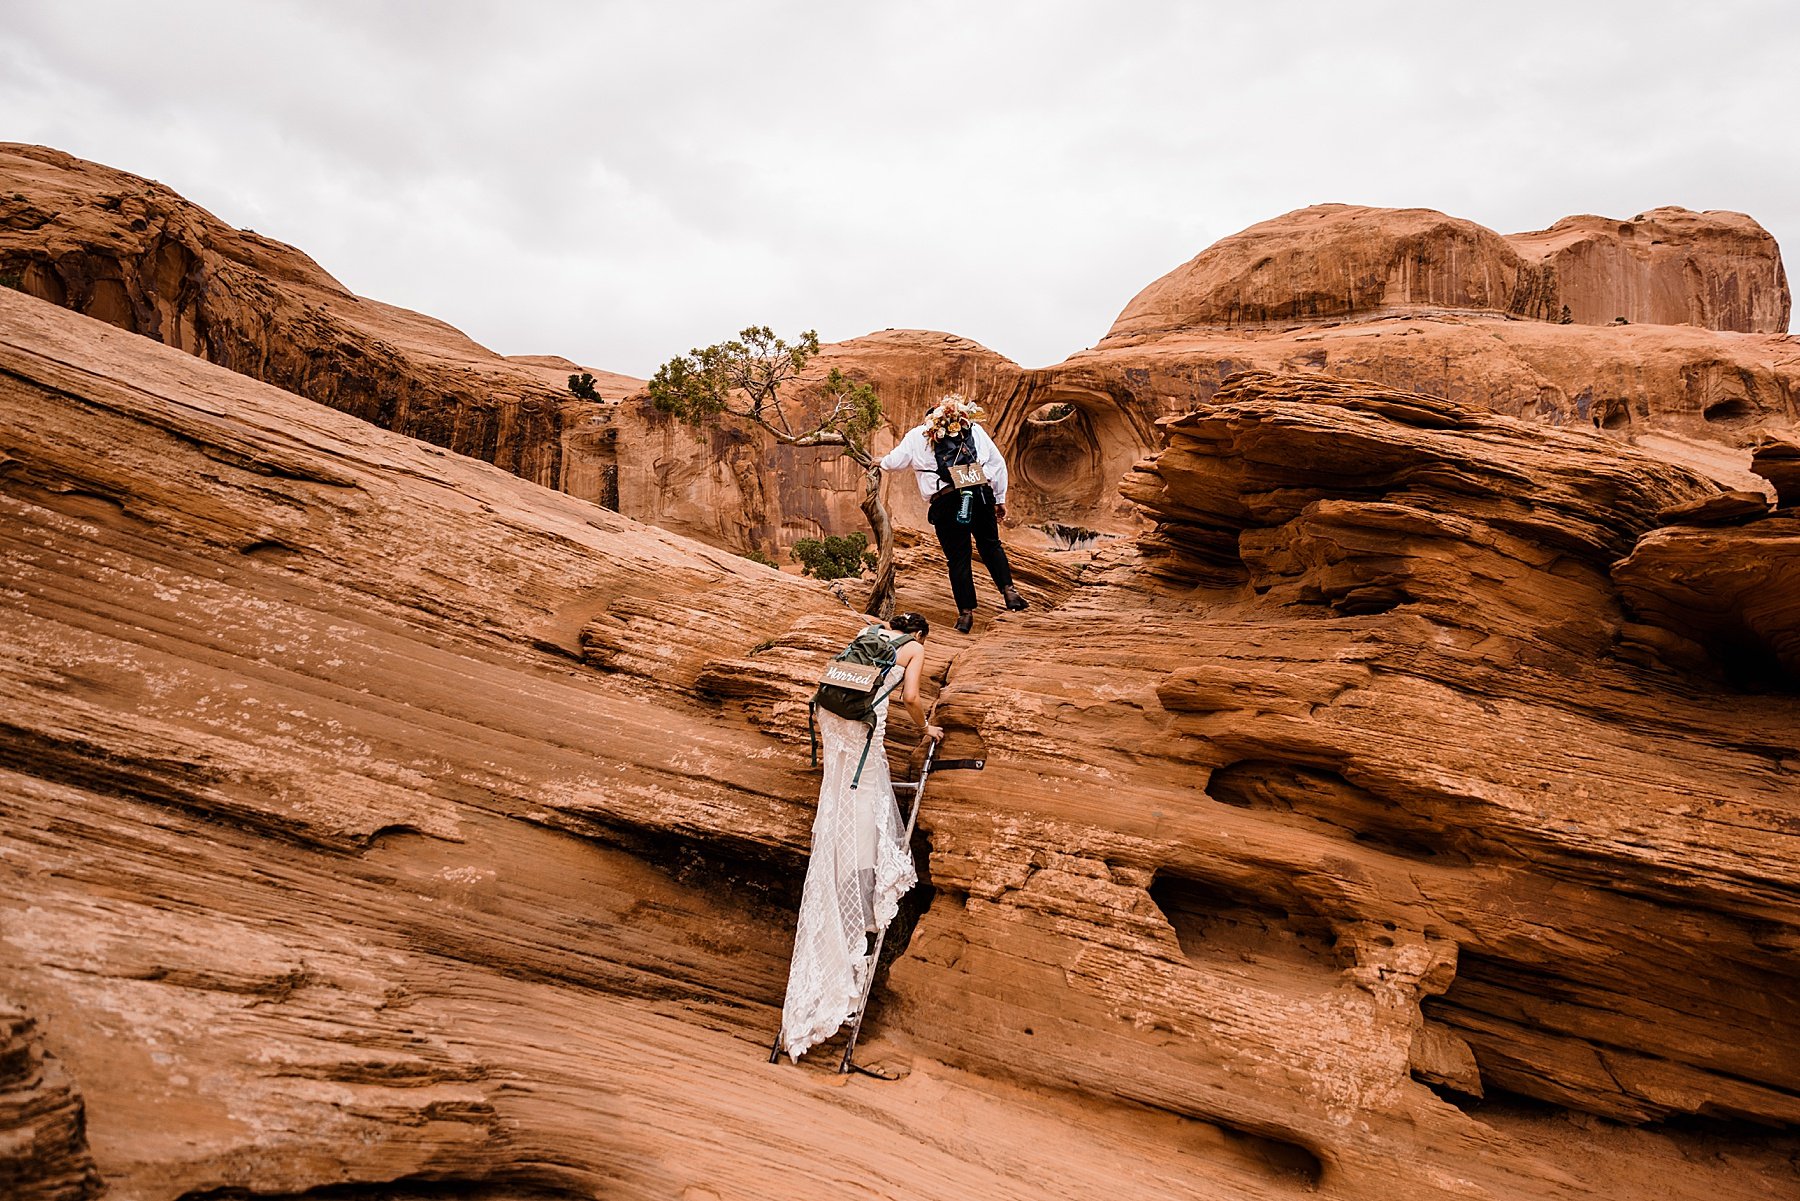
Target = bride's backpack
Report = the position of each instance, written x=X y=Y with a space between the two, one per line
x=851 y=686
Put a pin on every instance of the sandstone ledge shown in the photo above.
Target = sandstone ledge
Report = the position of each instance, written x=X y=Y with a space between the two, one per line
x=379 y=817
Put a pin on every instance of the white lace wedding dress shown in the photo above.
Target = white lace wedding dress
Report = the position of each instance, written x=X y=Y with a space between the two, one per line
x=859 y=870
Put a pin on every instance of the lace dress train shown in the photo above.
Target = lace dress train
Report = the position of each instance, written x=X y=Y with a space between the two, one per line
x=858 y=871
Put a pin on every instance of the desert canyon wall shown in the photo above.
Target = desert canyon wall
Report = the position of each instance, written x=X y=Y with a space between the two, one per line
x=1410 y=298
x=132 y=253
x=1403 y=800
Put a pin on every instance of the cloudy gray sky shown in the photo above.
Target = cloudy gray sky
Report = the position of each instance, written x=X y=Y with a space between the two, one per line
x=617 y=182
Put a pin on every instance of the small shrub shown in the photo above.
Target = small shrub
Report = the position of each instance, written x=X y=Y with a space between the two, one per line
x=756 y=556
x=583 y=386
x=834 y=557
x=11 y=279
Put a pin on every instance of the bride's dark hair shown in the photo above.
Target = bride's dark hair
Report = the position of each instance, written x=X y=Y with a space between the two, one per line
x=910 y=623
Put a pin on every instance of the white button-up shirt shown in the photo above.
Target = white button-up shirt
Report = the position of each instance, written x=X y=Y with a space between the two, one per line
x=915 y=452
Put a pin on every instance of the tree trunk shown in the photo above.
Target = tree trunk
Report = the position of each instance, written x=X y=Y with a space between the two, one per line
x=881 y=599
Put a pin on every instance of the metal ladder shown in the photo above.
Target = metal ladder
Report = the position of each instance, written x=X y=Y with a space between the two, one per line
x=917 y=788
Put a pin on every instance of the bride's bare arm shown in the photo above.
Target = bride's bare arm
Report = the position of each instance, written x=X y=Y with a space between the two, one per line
x=914 y=657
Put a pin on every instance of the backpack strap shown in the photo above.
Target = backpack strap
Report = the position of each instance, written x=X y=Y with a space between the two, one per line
x=812 y=727
x=857 y=778
x=893 y=647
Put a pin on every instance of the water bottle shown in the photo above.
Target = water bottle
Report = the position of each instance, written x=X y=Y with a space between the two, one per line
x=966 y=510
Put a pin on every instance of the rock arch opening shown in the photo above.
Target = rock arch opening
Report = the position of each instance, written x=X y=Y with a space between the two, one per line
x=1058 y=454
x=1732 y=410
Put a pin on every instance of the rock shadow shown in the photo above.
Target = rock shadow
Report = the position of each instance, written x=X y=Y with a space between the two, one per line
x=1327 y=802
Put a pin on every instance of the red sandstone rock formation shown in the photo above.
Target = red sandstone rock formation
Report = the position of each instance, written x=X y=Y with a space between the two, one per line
x=1715 y=270
x=380 y=822
x=134 y=254
x=1423 y=302
x=1688 y=395
x=1734 y=590
x=43 y=1137
x=734 y=487
x=1777 y=460
x=1669 y=266
x=1329 y=261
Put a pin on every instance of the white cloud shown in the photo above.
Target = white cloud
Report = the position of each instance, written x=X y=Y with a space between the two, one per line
x=619 y=182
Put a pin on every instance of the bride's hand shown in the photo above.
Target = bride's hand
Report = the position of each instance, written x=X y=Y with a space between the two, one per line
x=934 y=733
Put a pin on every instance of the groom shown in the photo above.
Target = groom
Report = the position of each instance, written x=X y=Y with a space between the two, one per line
x=962 y=476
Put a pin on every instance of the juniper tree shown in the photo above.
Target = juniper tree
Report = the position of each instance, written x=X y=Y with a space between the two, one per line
x=743 y=380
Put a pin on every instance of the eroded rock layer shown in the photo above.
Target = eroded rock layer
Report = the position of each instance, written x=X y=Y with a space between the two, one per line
x=1395 y=819
x=1687 y=395
x=43 y=1138
x=1410 y=298
x=133 y=253
x=735 y=487
x=1376 y=801
x=1670 y=266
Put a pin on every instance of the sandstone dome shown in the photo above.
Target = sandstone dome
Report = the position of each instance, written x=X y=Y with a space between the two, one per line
x=1715 y=270
x=1330 y=260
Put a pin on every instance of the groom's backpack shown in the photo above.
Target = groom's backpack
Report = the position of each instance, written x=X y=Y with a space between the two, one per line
x=957 y=451
x=851 y=687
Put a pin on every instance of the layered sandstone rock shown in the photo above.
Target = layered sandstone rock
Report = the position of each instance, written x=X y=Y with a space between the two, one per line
x=733 y=486
x=1364 y=755
x=1331 y=261
x=381 y=822
x=1688 y=395
x=1715 y=270
x=1423 y=302
x=1669 y=266
x=43 y=1139
x=133 y=253
x=1777 y=459
x=1734 y=590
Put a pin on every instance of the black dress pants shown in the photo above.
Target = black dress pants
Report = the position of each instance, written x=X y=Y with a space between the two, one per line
x=954 y=537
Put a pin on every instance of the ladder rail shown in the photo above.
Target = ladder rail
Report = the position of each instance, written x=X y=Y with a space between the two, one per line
x=917 y=788
x=862 y=1006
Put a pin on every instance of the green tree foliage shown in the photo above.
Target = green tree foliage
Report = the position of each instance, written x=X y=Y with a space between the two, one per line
x=743 y=379
x=833 y=557
x=755 y=555
x=583 y=386
x=753 y=378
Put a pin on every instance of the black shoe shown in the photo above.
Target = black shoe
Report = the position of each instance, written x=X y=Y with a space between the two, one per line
x=1014 y=601
x=965 y=620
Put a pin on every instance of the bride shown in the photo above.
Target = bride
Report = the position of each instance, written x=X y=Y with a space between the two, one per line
x=860 y=867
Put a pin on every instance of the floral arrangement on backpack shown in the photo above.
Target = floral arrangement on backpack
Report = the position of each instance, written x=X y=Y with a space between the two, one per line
x=953 y=414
